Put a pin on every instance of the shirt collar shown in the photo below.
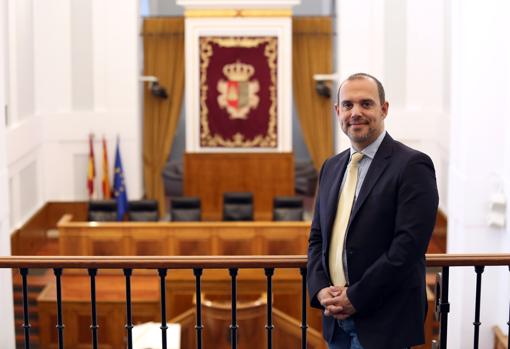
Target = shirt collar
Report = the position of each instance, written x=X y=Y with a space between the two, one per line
x=370 y=150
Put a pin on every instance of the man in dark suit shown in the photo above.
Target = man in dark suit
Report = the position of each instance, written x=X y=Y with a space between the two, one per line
x=374 y=214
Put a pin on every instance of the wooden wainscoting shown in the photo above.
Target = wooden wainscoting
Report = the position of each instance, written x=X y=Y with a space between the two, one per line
x=31 y=238
x=265 y=175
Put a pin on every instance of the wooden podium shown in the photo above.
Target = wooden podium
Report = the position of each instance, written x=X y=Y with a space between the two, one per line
x=209 y=175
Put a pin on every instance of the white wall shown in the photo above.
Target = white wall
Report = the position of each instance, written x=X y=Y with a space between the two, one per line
x=6 y=314
x=404 y=44
x=74 y=70
x=479 y=163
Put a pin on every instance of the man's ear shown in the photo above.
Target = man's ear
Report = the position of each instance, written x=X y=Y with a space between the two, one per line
x=385 y=108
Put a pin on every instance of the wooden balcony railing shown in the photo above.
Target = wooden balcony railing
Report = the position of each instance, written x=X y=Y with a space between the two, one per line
x=233 y=264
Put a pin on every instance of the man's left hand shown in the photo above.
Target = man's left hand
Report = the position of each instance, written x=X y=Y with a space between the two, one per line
x=347 y=307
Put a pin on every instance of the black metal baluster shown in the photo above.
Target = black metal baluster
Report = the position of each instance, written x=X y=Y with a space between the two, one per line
x=26 y=324
x=444 y=308
x=479 y=270
x=269 y=326
x=129 y=319
x=198 y=272
x=60 y=324
x=94 y=326
x=233 y=325
x=508 y=323
x=162 y=287
x=304 y=325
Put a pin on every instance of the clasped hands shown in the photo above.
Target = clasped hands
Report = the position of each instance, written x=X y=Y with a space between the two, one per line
x=335 y=302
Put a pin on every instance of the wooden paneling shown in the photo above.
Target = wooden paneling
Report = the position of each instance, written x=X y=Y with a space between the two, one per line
x=28 y=239
x=180 y=293
x=251 y=331
x=111 y=309
x=264 y=174
x=182 y=238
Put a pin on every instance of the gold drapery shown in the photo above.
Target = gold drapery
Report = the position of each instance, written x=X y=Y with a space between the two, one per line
x=312 y=54
x=163 y=41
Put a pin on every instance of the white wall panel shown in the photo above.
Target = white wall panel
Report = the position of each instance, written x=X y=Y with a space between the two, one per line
x=395 y=49
x=360 y=43
x=28 y=189
x=52 y=54
x=402 y=43
x=81 y=55
x=479 y=160
x=121 y=56
x=24 y=139
x=425 y=54
x=86 y=69
x=22 y=58
x=80 y=170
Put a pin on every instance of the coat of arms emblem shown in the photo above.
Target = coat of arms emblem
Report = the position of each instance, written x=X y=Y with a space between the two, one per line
x=238 y=94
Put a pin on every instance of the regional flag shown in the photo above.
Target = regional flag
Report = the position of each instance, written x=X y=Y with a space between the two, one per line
x=91 y=172
x=119 y=185
x=107 y=194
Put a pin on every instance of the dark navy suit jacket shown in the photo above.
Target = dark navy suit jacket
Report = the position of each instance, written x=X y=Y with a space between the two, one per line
x=387 y=236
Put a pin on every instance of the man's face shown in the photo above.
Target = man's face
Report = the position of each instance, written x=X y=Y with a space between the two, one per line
x=360 y=113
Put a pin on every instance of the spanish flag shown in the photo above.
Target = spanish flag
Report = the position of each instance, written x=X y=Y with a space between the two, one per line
x=107 y=194
x=91 y=174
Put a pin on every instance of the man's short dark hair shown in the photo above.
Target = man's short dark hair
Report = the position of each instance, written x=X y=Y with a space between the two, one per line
x=380 y=88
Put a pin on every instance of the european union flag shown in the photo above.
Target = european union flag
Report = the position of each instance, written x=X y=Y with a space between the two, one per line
x=119 y=185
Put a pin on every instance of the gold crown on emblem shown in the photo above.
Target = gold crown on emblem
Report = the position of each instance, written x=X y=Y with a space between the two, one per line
x=238 y=71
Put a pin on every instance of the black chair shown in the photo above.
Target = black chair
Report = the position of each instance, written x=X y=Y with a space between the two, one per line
x=237 y=206
x=185 y=209
x=102 y=211
x=143 y=210
x=287 y=208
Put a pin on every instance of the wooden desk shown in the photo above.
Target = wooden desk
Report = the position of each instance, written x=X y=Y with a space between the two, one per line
x=181 y=238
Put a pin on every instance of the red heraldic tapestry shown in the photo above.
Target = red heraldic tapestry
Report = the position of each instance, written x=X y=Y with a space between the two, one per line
x=238 y=92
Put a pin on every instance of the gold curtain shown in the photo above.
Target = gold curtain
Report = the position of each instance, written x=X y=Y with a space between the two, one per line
x=312 y=54
x=163 y=41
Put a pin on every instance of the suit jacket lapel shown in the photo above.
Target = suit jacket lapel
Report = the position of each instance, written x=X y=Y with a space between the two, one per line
x=332 y=203
x=377 y=167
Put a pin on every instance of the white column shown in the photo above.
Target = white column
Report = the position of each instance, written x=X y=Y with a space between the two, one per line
x=359 y=45
x=6 y=315
x=479 y=165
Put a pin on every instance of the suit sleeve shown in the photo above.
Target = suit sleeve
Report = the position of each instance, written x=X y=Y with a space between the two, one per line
x=317 y=276
x=416 y=210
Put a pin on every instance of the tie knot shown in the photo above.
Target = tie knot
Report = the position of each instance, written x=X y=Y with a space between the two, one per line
x=356 y=158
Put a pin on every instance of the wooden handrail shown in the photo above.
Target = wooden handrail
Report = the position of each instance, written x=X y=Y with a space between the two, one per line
x=467 y=260
x=153 y=262
x=219 y=262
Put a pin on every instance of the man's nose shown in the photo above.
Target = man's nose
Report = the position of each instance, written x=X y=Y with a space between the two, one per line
x=356 y=110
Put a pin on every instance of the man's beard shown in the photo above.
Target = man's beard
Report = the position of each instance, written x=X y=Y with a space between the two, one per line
x=359 y=138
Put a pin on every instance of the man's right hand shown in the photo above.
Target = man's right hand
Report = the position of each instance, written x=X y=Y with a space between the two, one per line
x=329 y=298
